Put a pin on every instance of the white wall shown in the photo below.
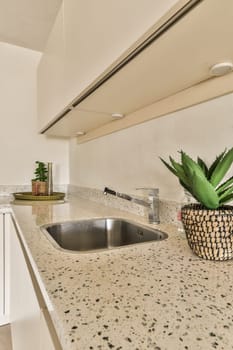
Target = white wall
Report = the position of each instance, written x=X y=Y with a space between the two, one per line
x=129 y=158
x=20 y=144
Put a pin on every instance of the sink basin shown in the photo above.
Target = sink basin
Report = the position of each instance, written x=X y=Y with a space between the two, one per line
x=97 y=234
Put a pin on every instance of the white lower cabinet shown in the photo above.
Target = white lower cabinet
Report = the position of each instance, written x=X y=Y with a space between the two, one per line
x=29 y=328
x=46 y=341
x=24 y=307
x=1 y=269
x=4 y=269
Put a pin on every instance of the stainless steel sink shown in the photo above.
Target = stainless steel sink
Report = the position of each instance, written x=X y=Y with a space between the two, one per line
x=97 y=234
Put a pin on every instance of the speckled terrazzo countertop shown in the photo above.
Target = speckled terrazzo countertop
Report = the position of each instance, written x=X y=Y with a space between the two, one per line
x=148 y=296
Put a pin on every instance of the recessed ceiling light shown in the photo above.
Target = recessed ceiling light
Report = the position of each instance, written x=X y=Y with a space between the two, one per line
x=80 y=133
x=117 y=115
x=221 y=68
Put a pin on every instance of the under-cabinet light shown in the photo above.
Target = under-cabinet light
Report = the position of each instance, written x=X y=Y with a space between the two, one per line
x=221 y=68
x=117 y=115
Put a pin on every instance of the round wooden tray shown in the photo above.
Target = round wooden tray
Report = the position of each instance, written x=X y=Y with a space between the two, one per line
x=29 y=197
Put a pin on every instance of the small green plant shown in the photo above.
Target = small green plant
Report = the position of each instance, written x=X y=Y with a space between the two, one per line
x=40 y=172
x=202 y=182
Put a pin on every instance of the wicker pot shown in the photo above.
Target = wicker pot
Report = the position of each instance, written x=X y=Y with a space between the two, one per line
x=39 y=188
x=209 y=232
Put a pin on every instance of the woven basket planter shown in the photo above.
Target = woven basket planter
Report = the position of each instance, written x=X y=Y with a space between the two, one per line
x=209 y=232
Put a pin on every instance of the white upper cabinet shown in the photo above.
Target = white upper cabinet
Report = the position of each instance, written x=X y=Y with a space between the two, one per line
x=87 y=37
x=170 y=73
x=97 y=33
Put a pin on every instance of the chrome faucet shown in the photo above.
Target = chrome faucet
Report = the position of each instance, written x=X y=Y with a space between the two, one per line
x=152 y=202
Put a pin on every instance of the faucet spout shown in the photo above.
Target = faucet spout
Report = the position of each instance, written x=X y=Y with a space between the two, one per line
x=142 y=202
x=152 y=202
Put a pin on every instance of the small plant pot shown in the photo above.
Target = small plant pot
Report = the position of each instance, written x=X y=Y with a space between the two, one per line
x=209 y=232
x=39 y=188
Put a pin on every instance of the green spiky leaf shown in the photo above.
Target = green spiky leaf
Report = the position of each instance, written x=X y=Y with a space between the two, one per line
x=226 y=199
x=178 y=171
x=205 y=192
x=226 y=192
x=222 y=168
x=188 y=189
x=215 y=163
x=190 y=166
x=203 y=165
x=169 y=166
x=224 y=185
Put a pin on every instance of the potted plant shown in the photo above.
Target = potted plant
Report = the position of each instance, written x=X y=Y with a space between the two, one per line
x=39 y=183
x=208 y=223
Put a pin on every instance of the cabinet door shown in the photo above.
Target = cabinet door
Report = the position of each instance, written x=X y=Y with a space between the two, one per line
x=24 y=307
x=6 y=235
x=97 y=33
x=30 y=329
x=2 y=282
x=46 y=342
x=4 y=268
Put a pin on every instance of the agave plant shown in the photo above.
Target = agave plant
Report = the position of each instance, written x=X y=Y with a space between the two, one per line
x=205 y=183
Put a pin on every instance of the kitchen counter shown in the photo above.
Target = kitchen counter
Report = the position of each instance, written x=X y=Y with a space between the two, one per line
x=156 y=295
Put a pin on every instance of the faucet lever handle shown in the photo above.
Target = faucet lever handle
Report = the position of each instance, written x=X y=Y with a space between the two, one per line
x=108 y=190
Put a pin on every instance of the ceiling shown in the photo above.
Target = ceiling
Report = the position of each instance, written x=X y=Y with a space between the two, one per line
x=27 y=23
